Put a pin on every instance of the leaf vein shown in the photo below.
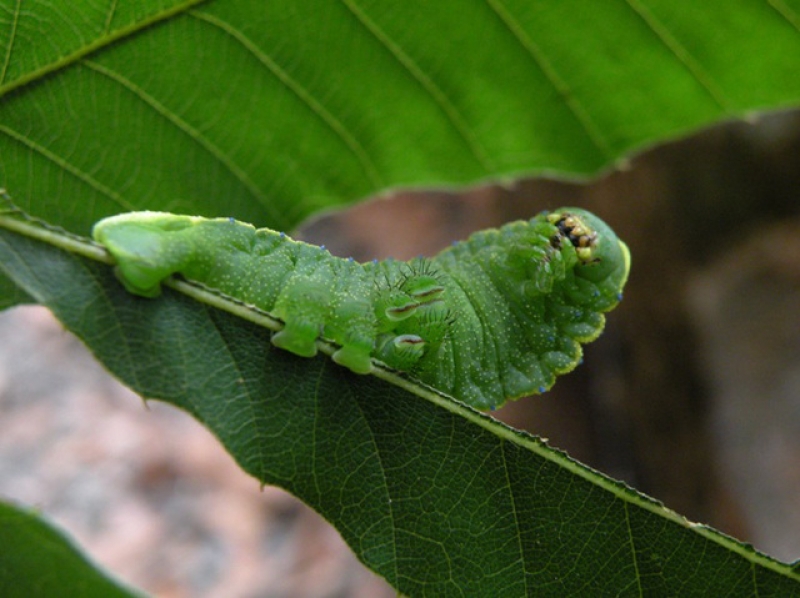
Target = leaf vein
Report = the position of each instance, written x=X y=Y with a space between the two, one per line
x=333 y=123
x=456 y=119
x=96 y=45
x=193 y=133
x=786 y=12
x=593 y=132
x=514 y=511
x=12 y=37
x=683 y=55
x=112 y=11
x=67 y=166
x=391 y=507
x=634 y=556
x=250 y=398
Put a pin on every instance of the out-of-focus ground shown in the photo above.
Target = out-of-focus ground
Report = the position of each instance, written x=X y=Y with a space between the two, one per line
x=692 y=395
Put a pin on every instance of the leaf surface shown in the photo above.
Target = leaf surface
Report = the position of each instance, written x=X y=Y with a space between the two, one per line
x=39 y=560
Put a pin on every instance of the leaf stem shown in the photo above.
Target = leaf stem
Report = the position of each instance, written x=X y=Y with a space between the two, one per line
x=19 y=222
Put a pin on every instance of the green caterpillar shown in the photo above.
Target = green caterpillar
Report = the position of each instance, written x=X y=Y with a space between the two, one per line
x=492 y=318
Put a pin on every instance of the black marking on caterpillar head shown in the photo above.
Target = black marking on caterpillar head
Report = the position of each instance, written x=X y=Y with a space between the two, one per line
x=571 y=227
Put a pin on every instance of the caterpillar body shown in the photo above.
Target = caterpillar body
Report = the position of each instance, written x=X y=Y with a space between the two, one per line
x=492 y=318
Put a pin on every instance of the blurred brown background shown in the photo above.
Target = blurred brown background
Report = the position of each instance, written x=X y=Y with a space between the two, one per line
x=692 y=395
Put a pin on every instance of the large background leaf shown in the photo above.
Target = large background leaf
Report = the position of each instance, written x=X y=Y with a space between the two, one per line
x=272 y=111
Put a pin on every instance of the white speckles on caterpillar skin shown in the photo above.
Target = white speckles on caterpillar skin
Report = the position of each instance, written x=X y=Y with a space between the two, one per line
x=490 y=319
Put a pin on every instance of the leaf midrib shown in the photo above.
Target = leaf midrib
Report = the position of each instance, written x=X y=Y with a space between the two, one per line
x=98 y=44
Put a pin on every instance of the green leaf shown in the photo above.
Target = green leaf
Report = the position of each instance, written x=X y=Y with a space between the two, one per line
x=439 y=499
x=272 y=111
x=10 y=294
x=38 y=560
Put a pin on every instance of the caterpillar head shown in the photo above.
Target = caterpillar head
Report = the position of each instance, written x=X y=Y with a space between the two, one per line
x=603 y=258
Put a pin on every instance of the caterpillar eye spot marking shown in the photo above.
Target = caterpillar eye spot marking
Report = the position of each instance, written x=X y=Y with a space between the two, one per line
x=489 y=319
x=408 y=340
x=402 y=311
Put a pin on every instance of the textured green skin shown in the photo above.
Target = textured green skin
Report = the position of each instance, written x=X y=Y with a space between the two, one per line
x=523 y=308
x=492 y=318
